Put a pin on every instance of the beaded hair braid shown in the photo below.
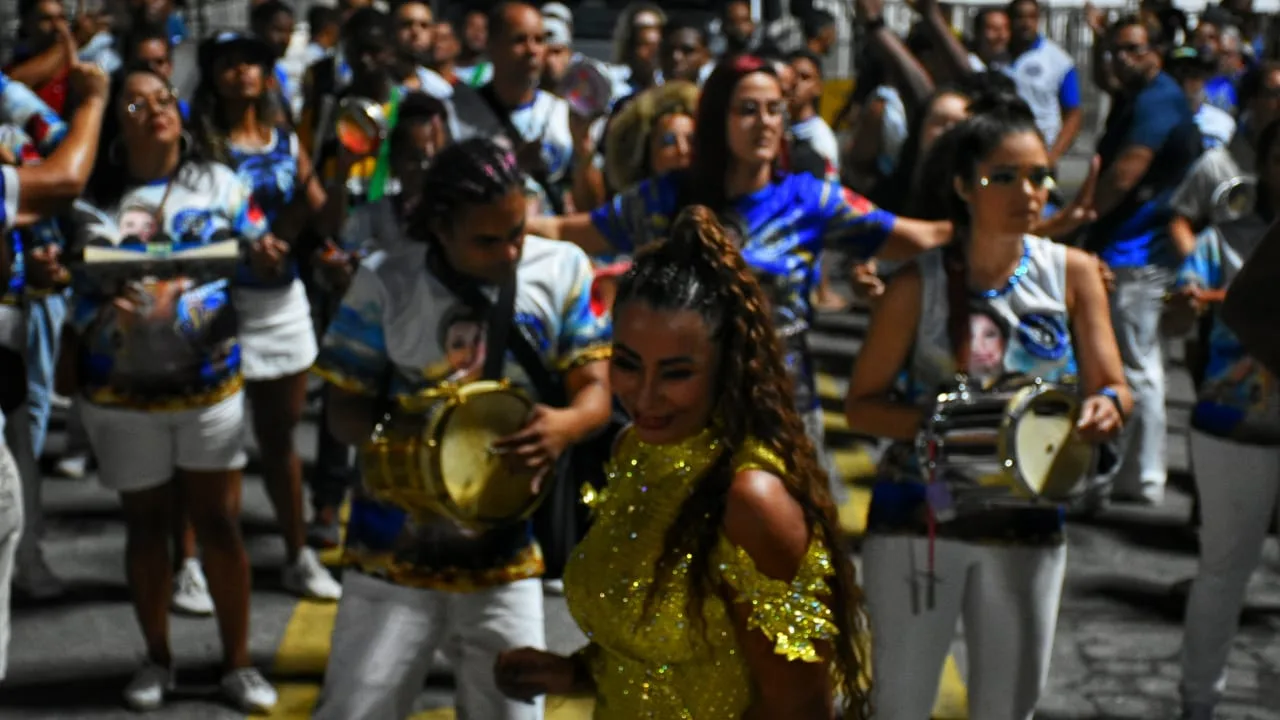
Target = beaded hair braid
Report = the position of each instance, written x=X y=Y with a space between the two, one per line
x=472 y=172
x=699 y=268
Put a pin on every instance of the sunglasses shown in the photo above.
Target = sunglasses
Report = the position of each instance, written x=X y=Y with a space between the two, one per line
x=1041 y=178
x=161 y=102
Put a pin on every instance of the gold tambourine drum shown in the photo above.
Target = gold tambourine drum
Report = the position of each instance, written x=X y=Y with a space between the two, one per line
x=1016 y=439
x=435 y=457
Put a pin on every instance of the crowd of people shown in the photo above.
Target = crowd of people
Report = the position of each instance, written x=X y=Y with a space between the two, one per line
x=648 y=267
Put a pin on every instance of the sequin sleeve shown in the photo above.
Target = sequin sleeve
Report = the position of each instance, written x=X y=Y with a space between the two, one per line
x=792 y=614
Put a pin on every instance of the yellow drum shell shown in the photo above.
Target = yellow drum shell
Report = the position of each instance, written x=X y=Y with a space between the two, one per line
x=435 y=456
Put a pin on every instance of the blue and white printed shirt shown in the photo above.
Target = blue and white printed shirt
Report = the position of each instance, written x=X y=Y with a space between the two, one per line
x=400 y=331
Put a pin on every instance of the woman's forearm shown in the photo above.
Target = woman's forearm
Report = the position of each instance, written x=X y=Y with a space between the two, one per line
x=584 y=682
x=883 y=418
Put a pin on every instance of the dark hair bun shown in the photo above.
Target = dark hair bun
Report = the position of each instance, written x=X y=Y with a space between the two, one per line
x=1005 y=106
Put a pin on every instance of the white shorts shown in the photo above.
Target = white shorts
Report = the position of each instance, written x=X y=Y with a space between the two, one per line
x=139 y=450
x=276 y=336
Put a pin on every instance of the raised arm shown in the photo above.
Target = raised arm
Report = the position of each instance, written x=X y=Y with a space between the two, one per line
x=47 y=187
x=577 y=229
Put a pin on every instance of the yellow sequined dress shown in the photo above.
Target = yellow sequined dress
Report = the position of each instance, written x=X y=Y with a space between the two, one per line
x=654 y=666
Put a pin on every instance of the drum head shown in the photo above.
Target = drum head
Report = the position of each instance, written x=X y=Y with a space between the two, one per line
x=1049 y=457
x=478 y=481
x=586 y=89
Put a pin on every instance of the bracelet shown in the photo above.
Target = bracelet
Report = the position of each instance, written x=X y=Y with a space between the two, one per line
x=1111 y=394
x=873 y=24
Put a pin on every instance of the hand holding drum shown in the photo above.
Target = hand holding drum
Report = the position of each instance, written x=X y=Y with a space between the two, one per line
x=537 y=446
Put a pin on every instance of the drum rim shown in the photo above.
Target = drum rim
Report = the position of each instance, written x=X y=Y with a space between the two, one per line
x=1007 y=446
x=458 y=396
x=1027 y=390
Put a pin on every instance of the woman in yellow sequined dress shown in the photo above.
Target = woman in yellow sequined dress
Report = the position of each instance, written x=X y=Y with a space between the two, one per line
x=711 y=585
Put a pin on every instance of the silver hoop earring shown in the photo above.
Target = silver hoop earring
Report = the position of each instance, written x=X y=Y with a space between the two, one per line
x=185 y=143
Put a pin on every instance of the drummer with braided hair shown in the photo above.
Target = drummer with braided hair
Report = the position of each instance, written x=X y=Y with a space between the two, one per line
x=404 y=327
x=937 y=551
x=712 y=584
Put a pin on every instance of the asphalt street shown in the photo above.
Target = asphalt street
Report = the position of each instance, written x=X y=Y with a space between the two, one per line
x=1115 y=655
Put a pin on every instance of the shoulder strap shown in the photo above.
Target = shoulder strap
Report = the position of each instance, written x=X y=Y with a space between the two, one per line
x=955 y=272
x=539 y=171
x=500 y=338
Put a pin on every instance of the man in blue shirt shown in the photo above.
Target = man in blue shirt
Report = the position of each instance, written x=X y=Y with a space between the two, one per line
x=1046 y=78
x=1150 y=141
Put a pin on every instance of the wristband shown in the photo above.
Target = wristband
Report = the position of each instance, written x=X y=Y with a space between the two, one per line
x=1111 y=394
x=873 y=24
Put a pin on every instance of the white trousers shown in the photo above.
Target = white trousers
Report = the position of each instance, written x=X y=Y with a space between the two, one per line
x=1008 y=598
x=11 y=514
x=1239 y=486
x=386 y=636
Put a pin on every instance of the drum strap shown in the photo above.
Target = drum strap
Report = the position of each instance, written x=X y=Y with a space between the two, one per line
x=535 y=167
x=501 y=336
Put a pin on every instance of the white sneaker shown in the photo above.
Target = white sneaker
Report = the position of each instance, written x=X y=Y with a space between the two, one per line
x=147 y=689
x=246 y=689
x=73 y=467
x=191 y=590
x=308 y=578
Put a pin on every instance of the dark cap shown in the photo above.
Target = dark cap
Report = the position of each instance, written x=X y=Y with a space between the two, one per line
x=226 y=43
x=1187 y=59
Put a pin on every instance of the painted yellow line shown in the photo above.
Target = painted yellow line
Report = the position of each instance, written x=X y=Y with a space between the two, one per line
x=830 y=387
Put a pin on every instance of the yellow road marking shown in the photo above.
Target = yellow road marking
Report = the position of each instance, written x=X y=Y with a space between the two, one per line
x=830 y=387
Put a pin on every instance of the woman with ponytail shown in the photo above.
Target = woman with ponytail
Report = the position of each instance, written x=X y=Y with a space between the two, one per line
x=787 y=219
x=712 y=583
x=999 y=300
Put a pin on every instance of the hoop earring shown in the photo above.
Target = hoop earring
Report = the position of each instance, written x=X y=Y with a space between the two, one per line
x=185 y=143
x=114 y=151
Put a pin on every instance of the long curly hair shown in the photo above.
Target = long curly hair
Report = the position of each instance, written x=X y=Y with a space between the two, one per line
x=627 y=142
x=698 y=268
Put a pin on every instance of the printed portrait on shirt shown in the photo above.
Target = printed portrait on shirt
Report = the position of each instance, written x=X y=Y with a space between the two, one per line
x=137 y=223
x=461 y=337
x=988 y=342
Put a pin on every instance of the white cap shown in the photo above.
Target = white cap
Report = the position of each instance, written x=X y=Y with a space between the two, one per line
x=558 y=11
x=558 y=32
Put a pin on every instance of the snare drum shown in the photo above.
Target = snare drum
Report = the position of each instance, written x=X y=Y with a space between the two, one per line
x=436 y=456
x=1015 y=439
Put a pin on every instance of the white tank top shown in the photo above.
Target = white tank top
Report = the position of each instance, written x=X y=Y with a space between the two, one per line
x=1021 y=328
